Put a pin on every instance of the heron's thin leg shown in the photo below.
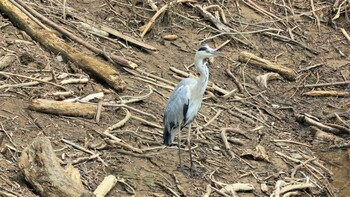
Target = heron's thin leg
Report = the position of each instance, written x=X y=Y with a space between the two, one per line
x=189 y=145
x=178 y=145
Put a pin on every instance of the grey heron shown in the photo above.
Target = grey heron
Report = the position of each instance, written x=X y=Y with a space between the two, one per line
x=185 y=101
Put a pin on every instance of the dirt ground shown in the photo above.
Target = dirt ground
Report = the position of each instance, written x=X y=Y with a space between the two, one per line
x=259 y=116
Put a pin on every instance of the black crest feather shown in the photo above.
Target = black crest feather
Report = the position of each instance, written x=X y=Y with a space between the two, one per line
x=203 y=48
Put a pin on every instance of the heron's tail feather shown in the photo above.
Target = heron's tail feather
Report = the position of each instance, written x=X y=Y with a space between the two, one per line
x=167 y=137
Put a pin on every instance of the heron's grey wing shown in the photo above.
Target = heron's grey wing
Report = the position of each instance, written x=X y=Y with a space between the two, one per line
x=176 y=109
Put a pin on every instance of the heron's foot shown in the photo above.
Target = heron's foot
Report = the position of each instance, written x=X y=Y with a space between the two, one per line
x=197 y=172
x=180 y=168
x=194 y=171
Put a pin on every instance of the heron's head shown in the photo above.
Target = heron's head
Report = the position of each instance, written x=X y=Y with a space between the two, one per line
x=206 y=52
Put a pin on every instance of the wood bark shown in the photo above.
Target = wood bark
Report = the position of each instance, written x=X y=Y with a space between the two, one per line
x=51 y=41
x=64 y=108
x=42 y=170
x=285 y=72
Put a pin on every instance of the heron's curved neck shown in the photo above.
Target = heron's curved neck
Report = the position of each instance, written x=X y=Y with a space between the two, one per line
x=202 y=82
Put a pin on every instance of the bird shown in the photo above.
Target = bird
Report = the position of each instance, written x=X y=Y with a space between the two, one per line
x=185 y=101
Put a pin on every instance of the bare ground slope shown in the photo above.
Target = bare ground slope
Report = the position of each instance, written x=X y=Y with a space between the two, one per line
x=260 y=116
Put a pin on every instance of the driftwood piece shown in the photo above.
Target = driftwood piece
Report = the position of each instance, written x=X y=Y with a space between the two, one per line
x=285 y=72
x=327 y=93
x=262 y=80
x=299 y=186
x=236 y=187
x=64 y=108
x=95 y=67
x=105 y=186
x=6 y=61
x=42 y=170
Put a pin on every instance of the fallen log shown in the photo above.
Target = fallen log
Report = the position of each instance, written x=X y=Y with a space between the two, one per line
x=66 y=108
x=42 y=170
x=97 y=68
x=285 y=72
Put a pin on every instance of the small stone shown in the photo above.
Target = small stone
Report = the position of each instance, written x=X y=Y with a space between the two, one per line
x=217 y=148
x=59 y=58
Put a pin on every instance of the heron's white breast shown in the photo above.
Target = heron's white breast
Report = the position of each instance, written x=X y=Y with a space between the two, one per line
x=194 y=107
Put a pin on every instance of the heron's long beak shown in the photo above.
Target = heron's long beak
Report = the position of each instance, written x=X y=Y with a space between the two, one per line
x=216 y=53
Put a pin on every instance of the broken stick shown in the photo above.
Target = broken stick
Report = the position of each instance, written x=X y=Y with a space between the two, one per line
x=327 y=93
x=64 y=108
x=325 y=84
x=345 y=34
x=285 y=72
x=105 y=186
x=306 y=119
x=159 y=12
x=213 y=19
x=42 y=170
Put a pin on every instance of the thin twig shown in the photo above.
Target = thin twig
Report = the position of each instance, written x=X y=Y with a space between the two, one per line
x=286 y=39
x=324 y=84
x=84 y=149
x=315 y=15
x=34 y=79
x=345 y=34
x=292 y=142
